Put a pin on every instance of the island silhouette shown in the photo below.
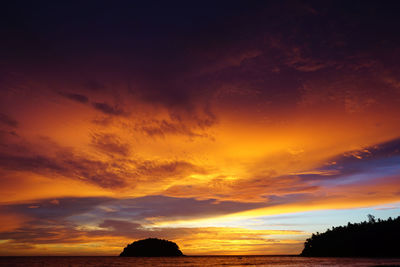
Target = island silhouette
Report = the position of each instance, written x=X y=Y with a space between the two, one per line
x=372 y=238
x=152 y=247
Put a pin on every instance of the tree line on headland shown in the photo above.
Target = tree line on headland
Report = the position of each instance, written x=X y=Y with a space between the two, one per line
x=372 y=238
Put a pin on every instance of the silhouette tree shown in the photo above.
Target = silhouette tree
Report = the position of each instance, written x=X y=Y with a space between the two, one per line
x=371 y=218
x=366 y=239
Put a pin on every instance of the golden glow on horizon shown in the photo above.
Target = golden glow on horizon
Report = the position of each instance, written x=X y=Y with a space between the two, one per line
x=210 y=240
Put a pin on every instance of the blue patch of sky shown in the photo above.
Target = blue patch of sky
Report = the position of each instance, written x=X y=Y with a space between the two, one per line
x=319 y=221
x=369 y=170
x=312 y=221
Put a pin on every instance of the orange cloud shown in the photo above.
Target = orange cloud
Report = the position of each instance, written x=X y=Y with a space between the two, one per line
x=246 y=116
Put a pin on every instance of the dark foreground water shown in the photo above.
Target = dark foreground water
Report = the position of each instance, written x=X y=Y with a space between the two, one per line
x=195 y=261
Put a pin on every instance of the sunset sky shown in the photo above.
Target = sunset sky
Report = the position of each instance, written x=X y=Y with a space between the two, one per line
x=228 y=127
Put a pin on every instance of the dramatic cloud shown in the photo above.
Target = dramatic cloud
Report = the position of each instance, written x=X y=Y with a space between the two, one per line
x=207 y=123
x=110 y=143
x=67 y=165
x=59 y=221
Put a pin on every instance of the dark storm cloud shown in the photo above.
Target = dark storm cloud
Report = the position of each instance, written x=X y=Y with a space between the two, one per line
x=7 y=120
x=75 y=97
x=179 y=54
x=108 y=109
x=162 y=65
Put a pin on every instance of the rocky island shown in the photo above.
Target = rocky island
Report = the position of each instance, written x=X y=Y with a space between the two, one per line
x=372 y=238
x=152 y=247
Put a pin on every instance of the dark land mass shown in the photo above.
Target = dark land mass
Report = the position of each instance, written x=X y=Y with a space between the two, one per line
x=151 y=247
x=373 y=238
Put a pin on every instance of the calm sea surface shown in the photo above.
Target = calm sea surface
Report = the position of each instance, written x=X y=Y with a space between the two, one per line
x=195 y=261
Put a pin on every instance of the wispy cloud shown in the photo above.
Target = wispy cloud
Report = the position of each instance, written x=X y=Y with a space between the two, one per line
x=7 y=120
x=75 y=97
x=108 y=109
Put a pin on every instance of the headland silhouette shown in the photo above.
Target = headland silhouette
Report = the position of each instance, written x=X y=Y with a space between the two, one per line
x=372 y=238
x=152 y=247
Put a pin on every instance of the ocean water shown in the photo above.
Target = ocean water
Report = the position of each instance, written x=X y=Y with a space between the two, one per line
x=206 y=261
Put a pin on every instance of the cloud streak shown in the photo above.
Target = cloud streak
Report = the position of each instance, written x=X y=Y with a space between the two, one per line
x=45 y=228
x=108 y=109
x=75 y=97
x=8 y=121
